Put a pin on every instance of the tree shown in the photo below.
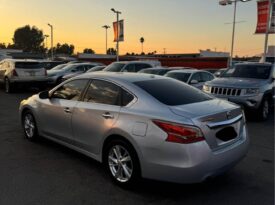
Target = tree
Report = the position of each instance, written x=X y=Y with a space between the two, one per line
x=89 y=50
x=63 y=49
x=141 y=41
x=29 y=39
x=2 y=45
x=111 y=51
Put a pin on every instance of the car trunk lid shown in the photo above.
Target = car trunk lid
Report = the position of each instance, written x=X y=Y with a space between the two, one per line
x=220 y=121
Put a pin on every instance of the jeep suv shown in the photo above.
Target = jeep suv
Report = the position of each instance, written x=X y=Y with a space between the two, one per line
x=250 y=85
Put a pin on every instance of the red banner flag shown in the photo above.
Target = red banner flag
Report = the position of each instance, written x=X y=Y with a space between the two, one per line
x=263 y=15
x=120 y=30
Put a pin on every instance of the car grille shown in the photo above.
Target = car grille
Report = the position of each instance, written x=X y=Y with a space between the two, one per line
x=225 y=91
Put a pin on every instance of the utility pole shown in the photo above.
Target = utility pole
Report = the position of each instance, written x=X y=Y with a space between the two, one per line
x=106 y=29
x=51 y=26
x=267 y=30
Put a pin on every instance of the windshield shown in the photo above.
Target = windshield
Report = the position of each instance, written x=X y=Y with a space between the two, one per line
x=59 y=67
x=172 y=92
x=248 y=71
x=114 y=67
x=183 y=77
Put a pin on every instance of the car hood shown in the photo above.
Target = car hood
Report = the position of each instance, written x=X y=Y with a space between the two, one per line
x=54 y=72
x=237 y=82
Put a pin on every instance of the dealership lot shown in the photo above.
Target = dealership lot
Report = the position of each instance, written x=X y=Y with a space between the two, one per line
x=47 y=173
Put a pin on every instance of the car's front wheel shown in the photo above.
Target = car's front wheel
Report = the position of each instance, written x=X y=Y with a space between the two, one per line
x=264 y=109
x=121 y=162
x=29 y=126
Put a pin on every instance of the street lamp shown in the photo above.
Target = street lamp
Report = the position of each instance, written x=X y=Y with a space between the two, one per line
x=106 y=27
x=117 y=35
x=51 y=26
x=225 y=3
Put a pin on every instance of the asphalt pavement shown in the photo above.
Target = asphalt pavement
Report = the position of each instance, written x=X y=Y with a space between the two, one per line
x=47 y=173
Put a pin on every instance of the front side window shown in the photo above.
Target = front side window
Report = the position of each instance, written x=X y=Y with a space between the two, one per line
x=183 y=77
x=103 y=92
x=141 y=66
x=206 y=77
x=71 y=90
x=197 y=77
x=114 y=67
x=130 y=68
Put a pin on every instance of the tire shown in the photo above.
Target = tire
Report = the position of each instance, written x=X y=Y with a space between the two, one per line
x=126 y=171
x=8 y=86
x=264 y=110
x=29 y=126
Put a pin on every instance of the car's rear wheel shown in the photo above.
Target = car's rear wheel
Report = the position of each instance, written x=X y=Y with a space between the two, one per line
x=29 y=126
x=121 y=162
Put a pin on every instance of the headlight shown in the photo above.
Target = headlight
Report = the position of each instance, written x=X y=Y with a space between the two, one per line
x=206 y=88
x=251 y=91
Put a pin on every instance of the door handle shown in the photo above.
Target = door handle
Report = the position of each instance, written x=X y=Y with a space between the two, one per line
x=67 y=110
x=108 y=115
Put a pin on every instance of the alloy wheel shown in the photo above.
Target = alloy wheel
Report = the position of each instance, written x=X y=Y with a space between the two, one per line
x=29 y=126
x=120 y=163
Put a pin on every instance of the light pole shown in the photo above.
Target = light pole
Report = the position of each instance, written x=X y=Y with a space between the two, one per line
x=51 y=26
x=106 y=28
x=117 y=35
x=46 y=44
x=225 y=3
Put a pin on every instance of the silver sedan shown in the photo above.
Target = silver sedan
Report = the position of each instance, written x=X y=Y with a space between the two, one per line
x=140 y=125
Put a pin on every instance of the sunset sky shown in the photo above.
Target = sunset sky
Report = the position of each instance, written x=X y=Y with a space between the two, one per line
x=180 y=26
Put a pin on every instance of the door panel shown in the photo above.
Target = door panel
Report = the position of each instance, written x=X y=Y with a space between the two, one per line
x=90 y=125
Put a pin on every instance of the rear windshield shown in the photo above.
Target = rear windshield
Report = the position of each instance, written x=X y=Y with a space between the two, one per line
x=171 y=92
x=179 y=76
x=28 y=65
x=114 y=67
x=248 y=71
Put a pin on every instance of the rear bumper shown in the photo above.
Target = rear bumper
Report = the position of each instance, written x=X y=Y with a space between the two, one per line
x=192 y=163
x=28 y=80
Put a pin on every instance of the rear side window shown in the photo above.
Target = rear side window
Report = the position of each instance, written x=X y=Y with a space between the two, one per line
x=28 y=65
x=126 y=98
x=171 y=92
x=103 y=92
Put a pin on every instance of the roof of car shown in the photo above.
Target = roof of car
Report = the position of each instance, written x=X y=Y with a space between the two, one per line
x=21 y=60
x=159 y=68
x=127 y=62
x=187 y=71
x=254 y=63
x=121 y=76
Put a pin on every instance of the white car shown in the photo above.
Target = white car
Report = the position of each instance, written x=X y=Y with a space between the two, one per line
x=15 y=72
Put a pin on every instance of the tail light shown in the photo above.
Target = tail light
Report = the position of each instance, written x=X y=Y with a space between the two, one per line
x=183 y=134
x=14 y=73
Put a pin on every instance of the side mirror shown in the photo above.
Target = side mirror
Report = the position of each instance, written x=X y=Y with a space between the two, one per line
x=194 y=82
x=44 y=95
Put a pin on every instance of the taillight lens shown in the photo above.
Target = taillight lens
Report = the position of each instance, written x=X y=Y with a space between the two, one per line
x=177 y=133
x=14 y=73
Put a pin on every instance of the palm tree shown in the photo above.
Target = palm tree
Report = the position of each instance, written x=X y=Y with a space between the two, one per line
x=141 y=41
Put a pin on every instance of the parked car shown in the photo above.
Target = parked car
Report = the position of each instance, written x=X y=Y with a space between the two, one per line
x=21 y=72
x=59 y=67
x=193 y=77
x=157 y=70
x=140 y=125
x=219 y=72
x=96 y=68
x=48 y=65
x=88 y=68
x=250 y=85
x=128 y=66
x=55 y=76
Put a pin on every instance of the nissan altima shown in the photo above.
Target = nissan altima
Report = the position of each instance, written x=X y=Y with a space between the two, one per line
x=140 y=125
